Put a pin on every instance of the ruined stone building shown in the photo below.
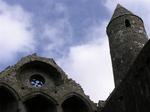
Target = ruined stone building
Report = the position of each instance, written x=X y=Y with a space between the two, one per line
x=38 y=84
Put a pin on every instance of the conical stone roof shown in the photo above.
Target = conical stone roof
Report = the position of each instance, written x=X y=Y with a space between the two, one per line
x=119 y=11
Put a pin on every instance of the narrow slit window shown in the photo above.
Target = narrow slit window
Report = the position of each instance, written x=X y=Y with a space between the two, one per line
x=127 y=23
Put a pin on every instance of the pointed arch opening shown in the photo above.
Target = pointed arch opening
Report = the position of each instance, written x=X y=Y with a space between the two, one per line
x=8 y=101
x=75 y=104
x=39 y=74
x=40 y=103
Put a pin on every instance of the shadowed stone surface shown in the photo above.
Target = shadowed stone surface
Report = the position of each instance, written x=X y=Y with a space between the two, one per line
x=127 y=36
x=38 y=84
x=130 y=54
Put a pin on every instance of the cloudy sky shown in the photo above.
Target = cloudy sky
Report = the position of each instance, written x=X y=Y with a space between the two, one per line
x=70 y=31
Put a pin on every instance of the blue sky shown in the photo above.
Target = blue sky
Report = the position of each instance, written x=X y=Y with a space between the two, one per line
x=70 y=31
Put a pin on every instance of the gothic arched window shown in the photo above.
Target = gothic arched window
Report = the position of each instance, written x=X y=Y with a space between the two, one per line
x=75 y=104
x=39 y=103
x=8 y=101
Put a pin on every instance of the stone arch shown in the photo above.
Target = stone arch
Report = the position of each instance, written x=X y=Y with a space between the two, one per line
x=37 y=67
x=40 y=102
x=9 y=100
x=76 y=103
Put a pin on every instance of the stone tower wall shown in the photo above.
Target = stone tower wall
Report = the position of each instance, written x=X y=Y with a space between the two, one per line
x=127 y=36
x=133 y=93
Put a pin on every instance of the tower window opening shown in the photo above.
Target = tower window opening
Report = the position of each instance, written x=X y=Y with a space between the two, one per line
x=127 y=23
x=120 y=98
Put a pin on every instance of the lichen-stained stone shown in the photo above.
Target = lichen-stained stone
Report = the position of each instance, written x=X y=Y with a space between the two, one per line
x=40 y=80
x=127 y=36
x=131 y=65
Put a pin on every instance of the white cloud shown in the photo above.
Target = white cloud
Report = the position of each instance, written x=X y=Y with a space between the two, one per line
x=58 y=33
x=15 y=32
x=90 y=65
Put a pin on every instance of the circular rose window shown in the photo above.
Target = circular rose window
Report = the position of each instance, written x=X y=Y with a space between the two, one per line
x=37 y=80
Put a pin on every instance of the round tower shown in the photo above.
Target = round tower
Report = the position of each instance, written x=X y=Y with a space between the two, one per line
x=127 y=36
